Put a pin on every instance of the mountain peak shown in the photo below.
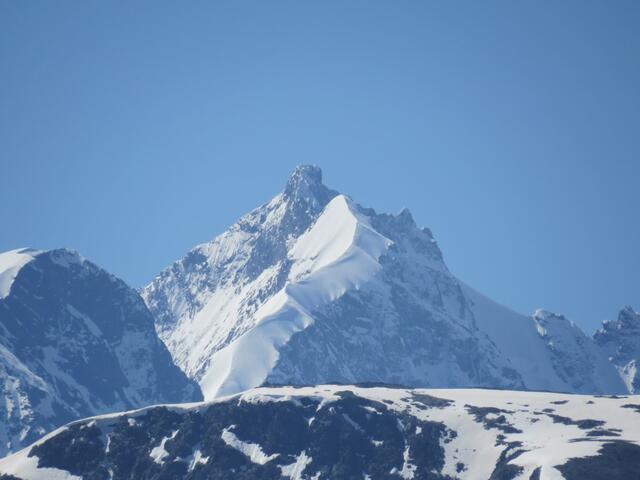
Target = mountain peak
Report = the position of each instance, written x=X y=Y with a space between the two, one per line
x=304 y=179
x=305 y=192
x=406 y=217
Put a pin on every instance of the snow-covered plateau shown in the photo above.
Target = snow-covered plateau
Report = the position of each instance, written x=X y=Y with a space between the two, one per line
x=344 y=432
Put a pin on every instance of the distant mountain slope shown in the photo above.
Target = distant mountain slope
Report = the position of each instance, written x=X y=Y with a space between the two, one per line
x=549 y=350
x=313 y=288
x=620 y=339
x=345 y=432
x=576 y=358
x=74 y=341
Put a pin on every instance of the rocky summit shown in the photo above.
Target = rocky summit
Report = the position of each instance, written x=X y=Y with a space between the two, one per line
x=313 y=288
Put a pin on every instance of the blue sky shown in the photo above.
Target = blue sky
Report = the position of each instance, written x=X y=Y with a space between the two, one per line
x=131 y=131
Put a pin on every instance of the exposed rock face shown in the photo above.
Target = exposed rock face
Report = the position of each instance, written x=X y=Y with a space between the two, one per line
x=313 y=288
x=74 y=341
x=343 y=432
x=230 y=277
x=576 y=358
x=620 y=339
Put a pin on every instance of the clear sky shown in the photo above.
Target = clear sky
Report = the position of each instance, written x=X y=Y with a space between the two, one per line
x=131 y=131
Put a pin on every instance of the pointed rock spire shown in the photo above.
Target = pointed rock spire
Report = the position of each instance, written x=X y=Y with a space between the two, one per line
x=304 y=180
x=305 y=190
x=406 y=217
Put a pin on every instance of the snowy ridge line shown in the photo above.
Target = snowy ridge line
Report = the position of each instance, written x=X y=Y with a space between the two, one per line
x=20 y=463
x=548 y=429
x=325 y=267
x=10 y=264
x=210 y=297
x=13 y=261
x=540 y=357
x=369 y=390
x=312 y=288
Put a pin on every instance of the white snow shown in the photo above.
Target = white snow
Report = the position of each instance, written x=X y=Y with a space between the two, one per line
x=408 y=469
x=253 y=451
x=229 y=309
x=628 y=373
x=197 y=459
x=10 y=264
x=338 y=253
x=574 y=352
x=525 y=341
x=158 y=453
x=21 y=465
x=516 y=336
x=549 y=443
x=546 y=442
x=295 y=470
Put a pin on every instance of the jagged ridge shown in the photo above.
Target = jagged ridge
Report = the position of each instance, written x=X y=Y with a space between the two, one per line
x=227 y=315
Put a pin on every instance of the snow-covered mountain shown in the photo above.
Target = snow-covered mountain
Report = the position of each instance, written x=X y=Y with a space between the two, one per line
x=74 y=341
x=313 y=288
x=575 y=357
x=337 y=432
x=620 y=340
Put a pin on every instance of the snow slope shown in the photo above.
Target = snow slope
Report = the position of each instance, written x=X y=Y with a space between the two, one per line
x=343 y=431
x=576 y=358
x=10 y=264
x=340 y=252
x=313 y=288
x=230 y=278
x=550 y=352
x=310 y=288
x=74 y=341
